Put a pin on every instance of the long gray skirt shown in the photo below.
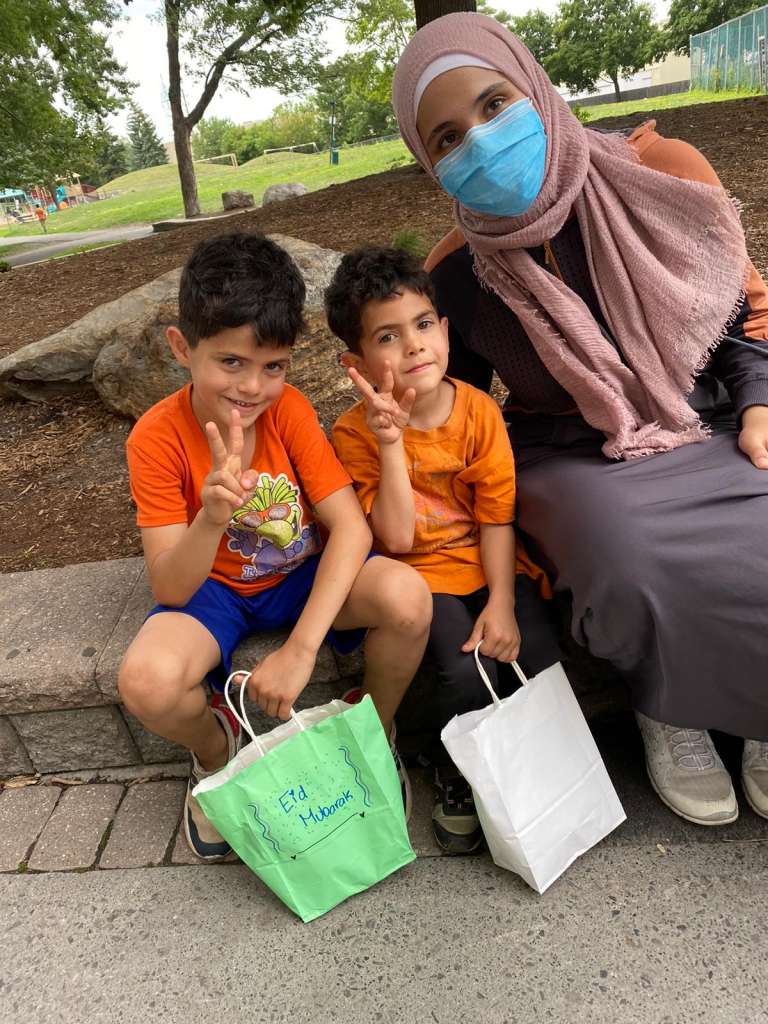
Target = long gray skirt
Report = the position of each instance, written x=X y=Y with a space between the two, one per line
x=666 y=559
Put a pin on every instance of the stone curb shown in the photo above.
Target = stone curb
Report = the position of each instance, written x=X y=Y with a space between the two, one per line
x=59 y=706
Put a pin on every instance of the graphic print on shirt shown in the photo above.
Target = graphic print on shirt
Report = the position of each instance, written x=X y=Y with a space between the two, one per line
x=268 y=531
x=441 y=521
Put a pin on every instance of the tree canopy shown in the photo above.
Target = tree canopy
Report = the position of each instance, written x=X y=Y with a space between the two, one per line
x=689 y=17
x=146 y=148
x=603 y=38
x=58 y=79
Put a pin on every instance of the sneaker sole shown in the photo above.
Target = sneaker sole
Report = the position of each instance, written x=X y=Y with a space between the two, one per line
x=688 y=817
x=446 y=840
x=758 y=812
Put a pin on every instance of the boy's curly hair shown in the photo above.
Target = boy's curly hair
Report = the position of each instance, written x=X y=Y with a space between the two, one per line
x=238 y=279
x=371 y=273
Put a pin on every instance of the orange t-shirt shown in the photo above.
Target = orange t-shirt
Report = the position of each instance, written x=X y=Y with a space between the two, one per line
x=169 y=459
x=462 y=475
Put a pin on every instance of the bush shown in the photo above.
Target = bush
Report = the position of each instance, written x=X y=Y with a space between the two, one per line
x=412 y=242
x=581 y=113
x=4 y=266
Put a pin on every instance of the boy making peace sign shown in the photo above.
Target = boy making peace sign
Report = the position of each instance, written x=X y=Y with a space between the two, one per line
x=232 y=477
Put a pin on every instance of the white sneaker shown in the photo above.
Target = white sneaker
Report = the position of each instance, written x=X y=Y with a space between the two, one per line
x=754 y=775
x=687 y=773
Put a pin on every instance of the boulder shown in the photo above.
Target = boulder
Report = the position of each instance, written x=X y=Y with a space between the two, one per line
x=237 y=200
x=120 y=348
x=64 y=361
x=283 y=190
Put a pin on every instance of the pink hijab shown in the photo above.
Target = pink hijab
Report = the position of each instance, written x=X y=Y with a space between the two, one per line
x=667 y=256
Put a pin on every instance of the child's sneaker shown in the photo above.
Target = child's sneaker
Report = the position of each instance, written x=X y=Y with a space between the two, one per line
x=354 y=696
x=203 y=839
x=455 y=823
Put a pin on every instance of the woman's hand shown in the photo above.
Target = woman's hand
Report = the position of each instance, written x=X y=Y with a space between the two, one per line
x=753 y=439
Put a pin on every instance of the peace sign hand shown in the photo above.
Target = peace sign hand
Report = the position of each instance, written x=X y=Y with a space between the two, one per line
x=386 y=418
x=226 y=487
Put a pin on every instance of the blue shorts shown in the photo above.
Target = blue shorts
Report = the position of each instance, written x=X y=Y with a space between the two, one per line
x=230 y=617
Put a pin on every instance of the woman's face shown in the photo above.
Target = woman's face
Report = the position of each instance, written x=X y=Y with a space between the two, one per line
x=458 y=100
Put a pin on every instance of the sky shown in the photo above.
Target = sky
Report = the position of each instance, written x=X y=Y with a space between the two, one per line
x=139 y=43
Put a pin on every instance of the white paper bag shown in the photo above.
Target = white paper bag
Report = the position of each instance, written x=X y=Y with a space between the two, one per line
x=542 y=793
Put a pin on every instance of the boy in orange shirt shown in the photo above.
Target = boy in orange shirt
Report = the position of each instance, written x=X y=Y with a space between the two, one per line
x=233 y=478
x=434 y=473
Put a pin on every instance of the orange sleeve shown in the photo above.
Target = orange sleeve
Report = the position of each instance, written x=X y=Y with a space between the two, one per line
x=356 y=447
x=156 y=475
x=491 y=469
x=309 y=450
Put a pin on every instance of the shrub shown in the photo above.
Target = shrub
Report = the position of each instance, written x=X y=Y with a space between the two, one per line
x=412 y=242
x=4 y=266
x=581 y=113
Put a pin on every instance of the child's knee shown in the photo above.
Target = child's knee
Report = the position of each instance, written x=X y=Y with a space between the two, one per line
x=150 y=685
x=406 y=599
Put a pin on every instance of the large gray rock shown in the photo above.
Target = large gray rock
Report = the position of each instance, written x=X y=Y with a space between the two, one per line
x=236 y=199
x=64 y=360
x=283 y=190
x=120 y=348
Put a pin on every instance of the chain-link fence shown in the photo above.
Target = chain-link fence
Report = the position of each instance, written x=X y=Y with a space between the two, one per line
x=733 y=55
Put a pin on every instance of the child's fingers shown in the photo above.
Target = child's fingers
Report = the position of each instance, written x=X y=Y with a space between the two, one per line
x=474 y=637
x=218 y=492
x=217 y=446
x=406 y=402
x=388 y=380
x=362 y=385
x=235 y=446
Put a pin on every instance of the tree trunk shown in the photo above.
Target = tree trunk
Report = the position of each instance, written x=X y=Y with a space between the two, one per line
x=428 y=10
x=616 y=89
x=182 y=140
x=182 y=130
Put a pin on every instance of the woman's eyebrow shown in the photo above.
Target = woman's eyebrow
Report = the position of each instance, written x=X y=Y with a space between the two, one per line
x=480 y=99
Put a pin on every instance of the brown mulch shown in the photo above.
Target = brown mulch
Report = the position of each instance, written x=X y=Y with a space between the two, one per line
x=63 y=487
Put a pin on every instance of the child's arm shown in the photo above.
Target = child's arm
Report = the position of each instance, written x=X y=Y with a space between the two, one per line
x=393 y=513
x=180 y=557
x=278 y=680
x=496 y=625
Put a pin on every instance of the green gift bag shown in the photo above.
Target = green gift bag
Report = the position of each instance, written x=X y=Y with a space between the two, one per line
x=314 y=808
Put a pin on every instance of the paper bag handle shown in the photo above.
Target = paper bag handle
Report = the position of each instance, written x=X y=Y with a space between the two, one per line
x=487 y=681
x=242 y=717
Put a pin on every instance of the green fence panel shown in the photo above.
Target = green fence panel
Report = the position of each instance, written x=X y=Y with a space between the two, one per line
x=732 y=56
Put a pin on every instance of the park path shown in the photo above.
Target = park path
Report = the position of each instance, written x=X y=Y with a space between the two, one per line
x=45 y=246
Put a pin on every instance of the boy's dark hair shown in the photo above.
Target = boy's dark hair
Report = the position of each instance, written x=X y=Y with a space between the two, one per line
x=239 y=279
x=371 y=273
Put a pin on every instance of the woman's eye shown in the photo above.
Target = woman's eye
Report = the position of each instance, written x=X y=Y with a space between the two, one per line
x=448 y=140
x=495 y=105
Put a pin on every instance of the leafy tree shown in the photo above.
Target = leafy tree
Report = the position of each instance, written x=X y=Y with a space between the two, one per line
x=212 y=137
x=58 y=78
x=247 y=44
x=689 y=17
x=379 y=29
x=348 y=86
x=146 y=148
x=111 y=157
x=537 y=31
x=603 y=38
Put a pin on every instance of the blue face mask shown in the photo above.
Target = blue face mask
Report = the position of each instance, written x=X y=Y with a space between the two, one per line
x=499 y=166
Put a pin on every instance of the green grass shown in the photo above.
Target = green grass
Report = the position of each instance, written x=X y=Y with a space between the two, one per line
x=154 y=194
x=679 y=99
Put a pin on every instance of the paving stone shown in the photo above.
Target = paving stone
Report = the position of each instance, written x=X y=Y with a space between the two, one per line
x=153 y=749
x=83 y=738
x=23 y=813
x=144 y=825
x=54 y=623
x=13 y=756
x=72 y=835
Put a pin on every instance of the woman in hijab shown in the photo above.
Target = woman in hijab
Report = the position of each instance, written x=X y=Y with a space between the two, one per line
x=607 y=282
